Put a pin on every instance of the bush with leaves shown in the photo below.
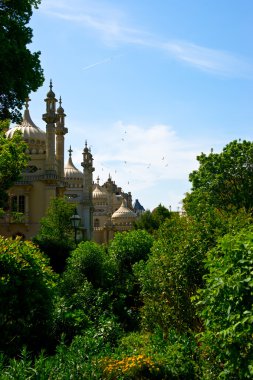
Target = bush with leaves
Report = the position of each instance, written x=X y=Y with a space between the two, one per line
x=13 y=159
x=55 y=237
x=151 y=221
x=226 y=308
x=128 y=248
x=171 y=276
x=222 y=181
x=85 y=289
x=173 y=273
x=27 y=286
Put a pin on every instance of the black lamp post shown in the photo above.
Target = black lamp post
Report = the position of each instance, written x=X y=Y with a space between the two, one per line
x=75 y=221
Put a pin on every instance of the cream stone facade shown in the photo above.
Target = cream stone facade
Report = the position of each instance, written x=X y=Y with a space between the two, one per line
x=104 y=209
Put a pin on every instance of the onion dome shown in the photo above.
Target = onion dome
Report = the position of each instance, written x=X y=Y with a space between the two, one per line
x=60 y=110
x=70 y=171
x=98 y=193
x=124 y=213
x=31 y=133
x=51 y=93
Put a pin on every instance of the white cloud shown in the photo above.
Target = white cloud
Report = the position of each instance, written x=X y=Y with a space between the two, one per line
x=143 y=160
x=206 y=59
x=112 y=26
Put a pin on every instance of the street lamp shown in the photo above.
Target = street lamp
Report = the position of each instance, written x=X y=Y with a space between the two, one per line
x=75 y=221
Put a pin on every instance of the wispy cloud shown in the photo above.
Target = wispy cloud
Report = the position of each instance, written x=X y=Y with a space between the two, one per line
x=112 y=26
x=211 y=60
x=140 y=159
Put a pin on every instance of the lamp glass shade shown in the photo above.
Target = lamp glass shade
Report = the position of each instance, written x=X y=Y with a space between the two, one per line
x=75 y=220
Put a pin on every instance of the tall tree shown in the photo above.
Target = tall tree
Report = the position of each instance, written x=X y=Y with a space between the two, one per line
x=56 y=237
x=225 y=306
x=13 y=160
x=20 y=70
x=223 y=181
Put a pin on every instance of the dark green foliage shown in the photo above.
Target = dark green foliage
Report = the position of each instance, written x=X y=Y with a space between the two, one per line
x=151 y=221
x=85 y=289
x=174 y=270
x=146 y=222
x=160 y=214
x=13 y=160
x=89 y=261
x=226 y=308
x=20 y=70
x=26 y=297
x=130 y=247
x=223 y=181
x=56 y=236
x=172 y=275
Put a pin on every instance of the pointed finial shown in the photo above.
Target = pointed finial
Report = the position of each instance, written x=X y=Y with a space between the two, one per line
x=51 y=85
x=27 y=100
x=98 y=179
x=70 y=151
x=85 y=143
x=60 y=101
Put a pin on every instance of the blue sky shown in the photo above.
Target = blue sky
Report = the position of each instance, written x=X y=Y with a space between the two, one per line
x=149 y=84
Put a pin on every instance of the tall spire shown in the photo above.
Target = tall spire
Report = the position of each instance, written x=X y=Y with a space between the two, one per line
x=27 y=100
x=60 y=131
x=50 y=118
x=88 y=169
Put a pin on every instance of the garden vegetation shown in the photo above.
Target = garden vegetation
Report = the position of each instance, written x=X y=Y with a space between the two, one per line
x=169 y=300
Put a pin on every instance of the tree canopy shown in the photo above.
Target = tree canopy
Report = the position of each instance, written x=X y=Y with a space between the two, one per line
x=20 y=69
x=225 y=306
x=223 y=181
x=27 y=286
x=151 y=221
x=13 y=160
x=55 y=237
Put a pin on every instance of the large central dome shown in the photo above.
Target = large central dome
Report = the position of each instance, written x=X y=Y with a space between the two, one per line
x=28 y=129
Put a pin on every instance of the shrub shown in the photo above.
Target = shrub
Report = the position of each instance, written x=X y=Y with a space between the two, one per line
x=26 y=296
x=226 y=308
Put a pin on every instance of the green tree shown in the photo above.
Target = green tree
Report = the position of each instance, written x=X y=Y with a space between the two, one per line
x=27 y=286
x=151 y=221
x=20 y=70
x=174 y=270
x=147 y=222
x=225 y=305
x=223 y=181
x=86 y=289
x=128 y=248
x=13 y=160
x=160 y=214
x=171 y=276
x=56 y=237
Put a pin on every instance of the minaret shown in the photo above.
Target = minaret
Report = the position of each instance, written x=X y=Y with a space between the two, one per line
x=50 y=117
x=60 y=131
x=88 y=169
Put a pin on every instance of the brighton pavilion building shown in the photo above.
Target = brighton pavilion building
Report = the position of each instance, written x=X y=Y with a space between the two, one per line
x=104 y=209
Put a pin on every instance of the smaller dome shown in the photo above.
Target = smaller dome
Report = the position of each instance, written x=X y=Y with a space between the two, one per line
x=60 y=110
x=51 y=93
x=98 y=193
x=70 y=171
x=124 y=212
